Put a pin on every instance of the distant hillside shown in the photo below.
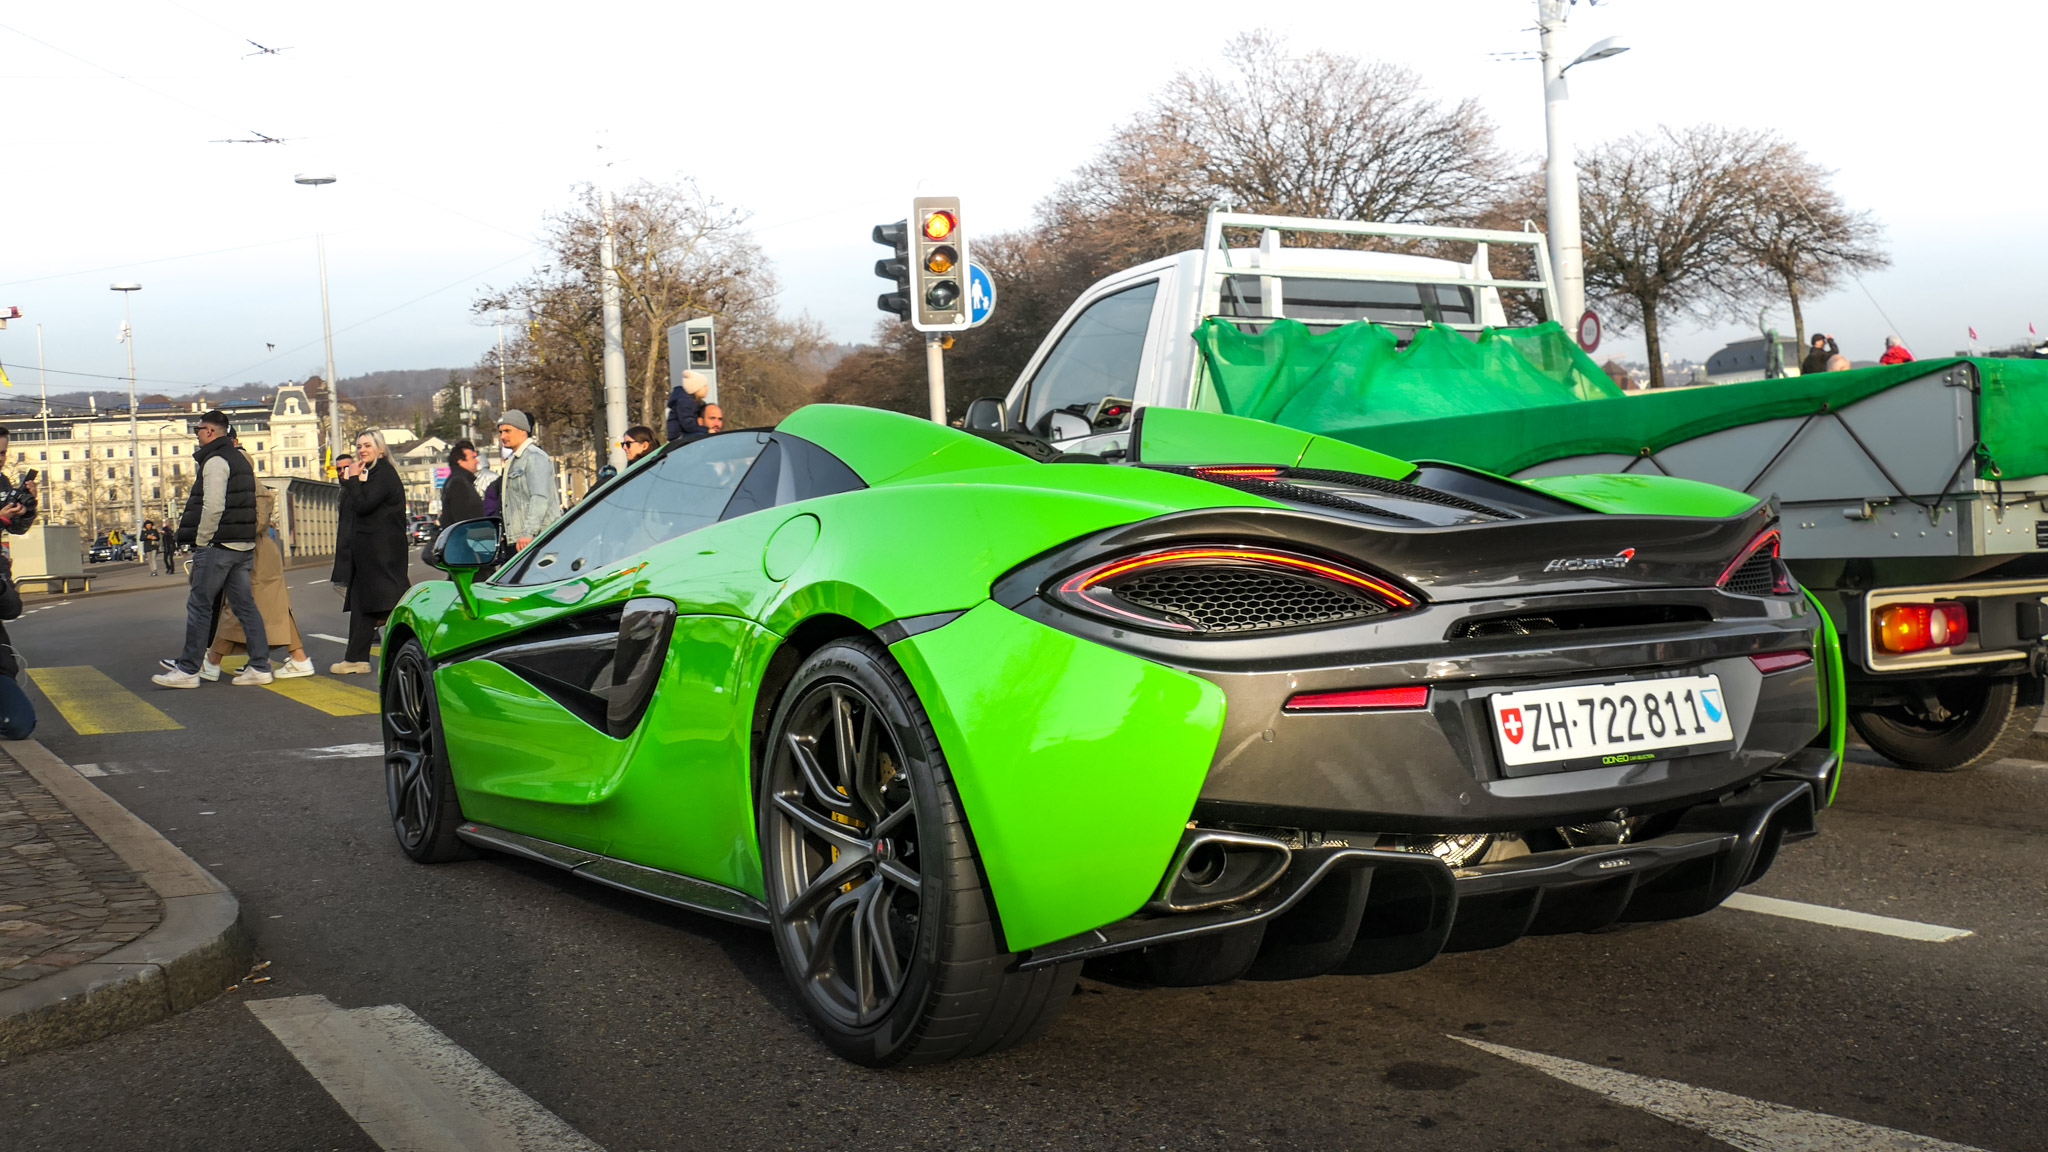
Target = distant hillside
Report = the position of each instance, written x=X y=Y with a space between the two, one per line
x=395 y=394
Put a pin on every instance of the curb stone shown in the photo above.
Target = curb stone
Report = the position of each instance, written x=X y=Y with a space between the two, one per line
x=198 y=949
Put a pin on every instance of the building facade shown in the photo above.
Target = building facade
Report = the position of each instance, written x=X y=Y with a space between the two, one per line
x=89 y=467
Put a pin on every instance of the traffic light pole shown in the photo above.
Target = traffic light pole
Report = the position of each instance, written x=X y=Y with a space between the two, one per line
x=935 y=369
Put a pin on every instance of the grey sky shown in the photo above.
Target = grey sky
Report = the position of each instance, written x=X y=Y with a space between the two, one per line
x=454 y=127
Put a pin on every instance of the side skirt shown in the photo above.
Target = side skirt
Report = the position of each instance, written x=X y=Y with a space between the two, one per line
x=668 y=887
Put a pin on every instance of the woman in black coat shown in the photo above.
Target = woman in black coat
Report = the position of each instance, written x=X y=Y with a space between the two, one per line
x=370 y=549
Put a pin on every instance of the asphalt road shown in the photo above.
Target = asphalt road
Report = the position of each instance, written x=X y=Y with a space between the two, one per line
x=648 y=1028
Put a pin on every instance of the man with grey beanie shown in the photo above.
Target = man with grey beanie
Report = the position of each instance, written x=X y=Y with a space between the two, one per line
x=527 y=492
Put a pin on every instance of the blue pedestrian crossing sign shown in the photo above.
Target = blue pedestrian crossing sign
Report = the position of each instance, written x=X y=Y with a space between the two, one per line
x=981 y=295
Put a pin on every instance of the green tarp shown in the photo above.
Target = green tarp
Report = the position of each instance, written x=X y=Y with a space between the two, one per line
x=1355 y=376
x=1521 y=396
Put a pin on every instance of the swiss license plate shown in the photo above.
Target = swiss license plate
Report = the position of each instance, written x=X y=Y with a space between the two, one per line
x=1599 y=724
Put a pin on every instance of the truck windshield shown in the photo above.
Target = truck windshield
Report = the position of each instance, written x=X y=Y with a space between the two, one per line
x=1324 y=303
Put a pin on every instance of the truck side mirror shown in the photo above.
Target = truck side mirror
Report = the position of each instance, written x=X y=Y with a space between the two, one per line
x=986 y=414
x=1066 y=426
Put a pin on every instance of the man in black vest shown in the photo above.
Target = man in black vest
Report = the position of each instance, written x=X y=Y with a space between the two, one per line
x=220 y=524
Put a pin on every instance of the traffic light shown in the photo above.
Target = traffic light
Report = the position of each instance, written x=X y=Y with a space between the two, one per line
x=938 y=290
x=896 y=268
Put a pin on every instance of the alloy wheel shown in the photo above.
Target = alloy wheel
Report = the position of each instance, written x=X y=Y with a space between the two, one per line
x=409 y=751
x=847 y=888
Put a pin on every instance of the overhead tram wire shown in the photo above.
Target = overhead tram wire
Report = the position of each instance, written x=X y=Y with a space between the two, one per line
x=153 y=260
x=378 y=316
x=210 y=114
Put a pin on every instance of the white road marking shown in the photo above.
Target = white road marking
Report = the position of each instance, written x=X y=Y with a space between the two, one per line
x=411 y=1088
x=325 y=636
x=1843 y=918
x=1751 y=1125
x=339 y=751
x=310 y=583
x=88 y=770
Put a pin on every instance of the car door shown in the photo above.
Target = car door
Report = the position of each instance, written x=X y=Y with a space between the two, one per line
x=534 y=737
x=684 y=802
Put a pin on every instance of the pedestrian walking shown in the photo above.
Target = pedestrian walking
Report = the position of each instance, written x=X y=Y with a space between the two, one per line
x=1817 y=353
x=266 y=582
x=370 y=559
x=459 y=498
x=1894 y=352
x=527 y=491
x=219 y=522
x=686 y=406
x=152 y=544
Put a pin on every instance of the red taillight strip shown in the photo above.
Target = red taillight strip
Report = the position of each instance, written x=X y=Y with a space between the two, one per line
x=1769 y=538
x=1406 y=698
x=1779 y=661
x=1246 y=470
x=1079 y=583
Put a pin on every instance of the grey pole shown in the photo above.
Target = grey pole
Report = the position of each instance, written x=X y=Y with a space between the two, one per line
x=935 y=374
x=326 y=325
x=614 y=337
x=43 y=378
x=125 y=288
x=1561 y=166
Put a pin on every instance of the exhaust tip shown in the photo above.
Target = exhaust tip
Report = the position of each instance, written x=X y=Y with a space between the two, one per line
x=1212 y=868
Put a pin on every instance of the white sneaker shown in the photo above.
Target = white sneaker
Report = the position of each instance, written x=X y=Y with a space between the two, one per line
x=291 y=668
x=251 y=676
x=177 y=679
x=208 y=670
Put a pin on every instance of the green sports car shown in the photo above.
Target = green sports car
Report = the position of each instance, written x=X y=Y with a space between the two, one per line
x=951 y=713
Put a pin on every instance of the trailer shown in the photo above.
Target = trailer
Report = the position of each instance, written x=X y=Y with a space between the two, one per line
x=1913 y=501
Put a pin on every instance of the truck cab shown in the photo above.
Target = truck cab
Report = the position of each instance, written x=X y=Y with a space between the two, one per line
x=1125 y=343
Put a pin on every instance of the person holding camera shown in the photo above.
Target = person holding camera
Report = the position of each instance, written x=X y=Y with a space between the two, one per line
x=17 y=513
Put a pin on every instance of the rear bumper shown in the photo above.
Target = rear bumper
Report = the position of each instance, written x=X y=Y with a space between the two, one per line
x=1417 y=907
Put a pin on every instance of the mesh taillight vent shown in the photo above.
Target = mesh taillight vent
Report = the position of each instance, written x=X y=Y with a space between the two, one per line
x=1758 y=575
x=1229 y=599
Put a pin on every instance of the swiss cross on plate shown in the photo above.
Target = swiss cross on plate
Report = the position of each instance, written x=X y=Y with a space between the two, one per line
x=1511 y=724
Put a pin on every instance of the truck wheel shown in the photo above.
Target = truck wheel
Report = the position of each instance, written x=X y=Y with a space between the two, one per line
x=1978 y=721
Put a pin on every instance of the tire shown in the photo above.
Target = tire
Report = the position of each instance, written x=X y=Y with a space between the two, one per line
x=1986 y=722
x=418 y=787
x=880 y=914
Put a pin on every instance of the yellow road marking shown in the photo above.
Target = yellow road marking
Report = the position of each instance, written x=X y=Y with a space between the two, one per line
x=328 y=695
x=93 y=704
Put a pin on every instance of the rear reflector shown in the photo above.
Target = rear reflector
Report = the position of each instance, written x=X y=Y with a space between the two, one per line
x=1779 y=661
x=1913 y=627
x=1362 y=700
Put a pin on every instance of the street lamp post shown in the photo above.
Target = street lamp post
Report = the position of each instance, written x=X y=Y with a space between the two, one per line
x=313 y=179
x=127 y=289
x=1561 y=169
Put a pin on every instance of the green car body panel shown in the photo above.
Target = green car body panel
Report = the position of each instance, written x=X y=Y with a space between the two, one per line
x=1077 y=765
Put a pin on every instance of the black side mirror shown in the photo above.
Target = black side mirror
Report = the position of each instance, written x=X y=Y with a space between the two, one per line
x=462 y=549
x=467 y=546
x=986 y=414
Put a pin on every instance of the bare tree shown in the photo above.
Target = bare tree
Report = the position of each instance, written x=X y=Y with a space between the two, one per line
x=1799 y=238
x=1663 y=218
x=1311 y=134
x=680 y=254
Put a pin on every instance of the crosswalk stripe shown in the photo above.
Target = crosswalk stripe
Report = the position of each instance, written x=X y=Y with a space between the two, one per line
x=1739 y=1121
x=408 y=1085
x=328 y=695
x=94 y=705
